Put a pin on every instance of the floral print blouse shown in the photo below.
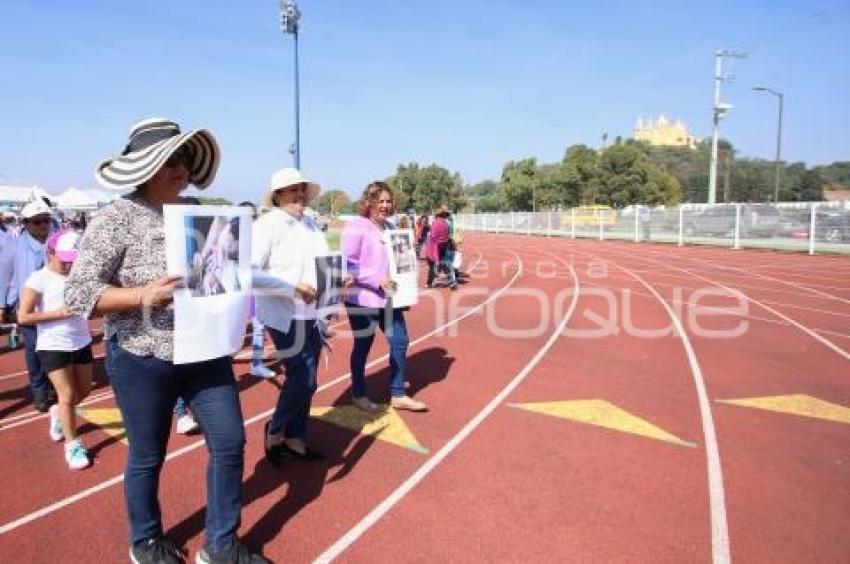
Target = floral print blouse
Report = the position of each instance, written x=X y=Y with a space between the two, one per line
x=124 y=246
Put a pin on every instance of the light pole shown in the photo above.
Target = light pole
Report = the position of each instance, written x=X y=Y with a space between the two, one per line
x=289 y=18
x=778 y=171
x=720 y=109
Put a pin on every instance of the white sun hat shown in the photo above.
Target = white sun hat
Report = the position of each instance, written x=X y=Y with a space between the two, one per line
x=284 y=178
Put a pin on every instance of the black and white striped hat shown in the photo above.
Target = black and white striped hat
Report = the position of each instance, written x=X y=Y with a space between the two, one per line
x=152 y=142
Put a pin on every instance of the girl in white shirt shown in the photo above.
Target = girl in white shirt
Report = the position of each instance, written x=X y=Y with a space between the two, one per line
x=64 y=341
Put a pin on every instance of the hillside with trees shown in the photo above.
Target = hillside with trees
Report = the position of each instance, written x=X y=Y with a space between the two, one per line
x=633 y=172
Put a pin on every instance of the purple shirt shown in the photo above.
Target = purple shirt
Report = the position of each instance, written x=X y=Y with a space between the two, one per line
x=366 y=258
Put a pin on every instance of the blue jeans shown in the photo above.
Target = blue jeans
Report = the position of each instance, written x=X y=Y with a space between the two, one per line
x=363 y=321
x=299 y=348
x=257 y=344
x=39 y=383
x=146 y=389
x=180 y=408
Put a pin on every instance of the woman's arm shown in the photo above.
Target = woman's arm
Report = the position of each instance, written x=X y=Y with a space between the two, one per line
x=90 y=289
x=27 y=315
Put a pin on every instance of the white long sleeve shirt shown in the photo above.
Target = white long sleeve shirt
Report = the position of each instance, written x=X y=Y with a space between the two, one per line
x=283 y=255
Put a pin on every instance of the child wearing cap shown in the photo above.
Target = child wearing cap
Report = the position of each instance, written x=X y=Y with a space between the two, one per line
x=64 y=341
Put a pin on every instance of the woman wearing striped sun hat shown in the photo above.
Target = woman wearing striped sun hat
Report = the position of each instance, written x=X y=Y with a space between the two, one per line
x=120 y=273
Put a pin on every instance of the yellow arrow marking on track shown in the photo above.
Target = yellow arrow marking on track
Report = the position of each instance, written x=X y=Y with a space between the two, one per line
x=602 y=414
x=107 y=419
x=797 y=404
x=387 y=426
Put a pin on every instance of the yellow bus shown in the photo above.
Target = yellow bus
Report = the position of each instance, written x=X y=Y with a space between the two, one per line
x=589 y=216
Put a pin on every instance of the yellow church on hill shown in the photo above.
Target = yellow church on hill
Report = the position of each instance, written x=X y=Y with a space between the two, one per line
x=662 y=132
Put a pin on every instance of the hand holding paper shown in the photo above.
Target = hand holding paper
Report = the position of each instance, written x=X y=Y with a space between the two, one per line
x=159 y=292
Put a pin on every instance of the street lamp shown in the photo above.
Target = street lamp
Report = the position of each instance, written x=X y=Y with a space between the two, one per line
x=781 y=98
x=720 y=109
x=289 y=18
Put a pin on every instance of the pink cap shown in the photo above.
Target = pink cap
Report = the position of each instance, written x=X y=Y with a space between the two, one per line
x=64 y=243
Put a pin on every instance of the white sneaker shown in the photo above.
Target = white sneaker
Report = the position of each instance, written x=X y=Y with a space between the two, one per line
x=262 y=371
x=55 y=428
x=76 y=455
x=186 y=424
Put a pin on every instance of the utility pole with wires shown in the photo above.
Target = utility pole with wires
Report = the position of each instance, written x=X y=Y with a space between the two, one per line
x=720 y=109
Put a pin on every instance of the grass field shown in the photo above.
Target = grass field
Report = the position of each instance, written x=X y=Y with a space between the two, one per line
x=333 y=239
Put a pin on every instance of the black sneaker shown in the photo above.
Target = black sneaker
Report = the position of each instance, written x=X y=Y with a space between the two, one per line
x=155 y=551
x=41 y=405
x=236 y=554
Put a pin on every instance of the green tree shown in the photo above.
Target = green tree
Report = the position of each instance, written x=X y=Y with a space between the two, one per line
x=811 y=186
x=426 y=188
x=333 y=202
x=581 y=176
x=628 y=177
x=518 y=183
x=836 y=173
x=214 y=201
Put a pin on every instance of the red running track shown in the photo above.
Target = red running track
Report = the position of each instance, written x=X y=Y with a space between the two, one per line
x=582 y=399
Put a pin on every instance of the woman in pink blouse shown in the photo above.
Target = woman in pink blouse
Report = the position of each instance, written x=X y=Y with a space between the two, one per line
x=369 y=301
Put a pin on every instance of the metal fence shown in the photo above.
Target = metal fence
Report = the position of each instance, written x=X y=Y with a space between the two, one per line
x=794 y=226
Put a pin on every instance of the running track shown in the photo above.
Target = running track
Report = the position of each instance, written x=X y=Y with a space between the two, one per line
x=591 y=401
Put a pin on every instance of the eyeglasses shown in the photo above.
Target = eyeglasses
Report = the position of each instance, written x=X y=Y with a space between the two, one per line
x=183 y=156
x=40 y=221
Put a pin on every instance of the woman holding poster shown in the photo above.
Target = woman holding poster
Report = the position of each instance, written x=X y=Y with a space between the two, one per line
x=285 y=245
x=120 y=272
x=369 y=301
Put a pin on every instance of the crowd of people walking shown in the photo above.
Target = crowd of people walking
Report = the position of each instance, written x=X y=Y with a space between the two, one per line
x=54 y=279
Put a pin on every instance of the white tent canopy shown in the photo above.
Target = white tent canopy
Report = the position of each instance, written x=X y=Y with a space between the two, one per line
x=20 y=195
x=75 y=199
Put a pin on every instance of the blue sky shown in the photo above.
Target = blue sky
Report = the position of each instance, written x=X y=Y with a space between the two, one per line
x=466 y=84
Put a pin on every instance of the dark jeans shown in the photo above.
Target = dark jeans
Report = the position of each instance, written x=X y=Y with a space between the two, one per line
x=364 y=321
x=146 y=389
x=39 y=383
x=299 y=349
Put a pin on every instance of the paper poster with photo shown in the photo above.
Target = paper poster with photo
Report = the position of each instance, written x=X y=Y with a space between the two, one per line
x=210 y=247
x=403 y=266
x=330 y=272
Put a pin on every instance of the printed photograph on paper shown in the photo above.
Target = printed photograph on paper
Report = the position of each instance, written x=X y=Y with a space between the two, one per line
x=404 y=269
x=330 y=272
x=212 y=252
x=403 y=250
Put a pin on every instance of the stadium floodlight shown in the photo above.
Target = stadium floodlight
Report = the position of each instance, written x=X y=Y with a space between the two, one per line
x=290 y=16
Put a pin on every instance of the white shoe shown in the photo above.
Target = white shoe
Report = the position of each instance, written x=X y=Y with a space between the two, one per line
x=76 y=455
x=55 y=428
x=186 y=424
x=262 y=371
x=408 y=403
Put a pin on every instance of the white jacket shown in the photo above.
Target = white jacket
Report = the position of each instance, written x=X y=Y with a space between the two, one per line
x=283 y=255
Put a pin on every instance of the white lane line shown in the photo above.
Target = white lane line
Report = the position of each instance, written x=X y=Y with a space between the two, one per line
x=778 y=314
x=743 y=272
x=422 y=472
x=742 y=295
x=717 y=498
x=56 y=506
